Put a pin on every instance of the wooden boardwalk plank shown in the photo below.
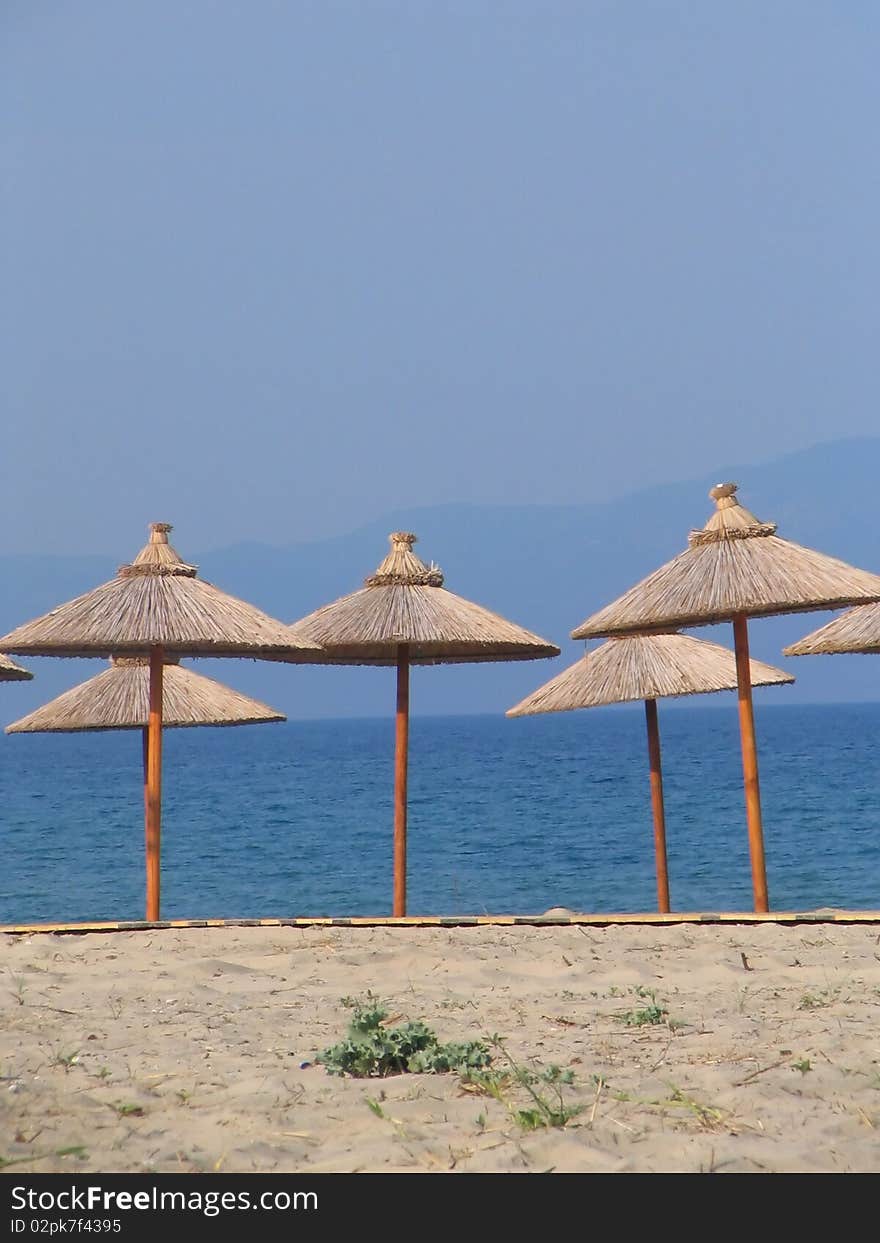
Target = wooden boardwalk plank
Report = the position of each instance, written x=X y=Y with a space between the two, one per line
x=647 y=919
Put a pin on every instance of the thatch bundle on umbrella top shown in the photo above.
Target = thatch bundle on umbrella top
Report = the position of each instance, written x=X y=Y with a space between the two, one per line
x=648 y=667
x=404 y=616
x=736 y=567
x=11 y=672
x=157 y=608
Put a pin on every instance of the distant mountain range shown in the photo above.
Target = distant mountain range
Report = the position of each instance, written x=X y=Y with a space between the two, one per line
x=546 y=567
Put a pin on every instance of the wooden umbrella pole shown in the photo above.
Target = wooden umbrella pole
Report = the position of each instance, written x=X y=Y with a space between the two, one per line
x=154 y=783
x=657 y=805
x=145 y=741
x=401 y=758
x=750 y=763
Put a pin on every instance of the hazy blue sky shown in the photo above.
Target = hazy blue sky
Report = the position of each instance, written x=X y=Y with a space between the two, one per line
x=271 y=269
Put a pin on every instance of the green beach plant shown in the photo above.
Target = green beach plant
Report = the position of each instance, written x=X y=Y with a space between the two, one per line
x=126 y=1109
x=649 y=1016
x=76 y=1150
x=374 y=1048
x=66 y=1060
x=545 y=1104
x=819 y=1000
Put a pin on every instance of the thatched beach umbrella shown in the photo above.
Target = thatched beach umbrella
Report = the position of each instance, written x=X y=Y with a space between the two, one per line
x=736 y=567
x=404 y=616
x=158 y=607
x=11 y=672
x=119 y=698
x=648 y=667
x=856 y=630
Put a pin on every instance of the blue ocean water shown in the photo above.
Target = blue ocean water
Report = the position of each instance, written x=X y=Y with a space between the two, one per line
x=505 y=816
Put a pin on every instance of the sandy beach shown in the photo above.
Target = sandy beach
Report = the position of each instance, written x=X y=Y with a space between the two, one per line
x=693 y=1048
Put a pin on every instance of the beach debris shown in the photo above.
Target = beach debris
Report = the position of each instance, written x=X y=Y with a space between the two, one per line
x=762 y=1070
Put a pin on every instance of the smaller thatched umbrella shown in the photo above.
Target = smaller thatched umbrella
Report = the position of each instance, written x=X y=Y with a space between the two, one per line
x=119 y=698
x=648 y=667
x=11 y=672
x=158 y=607
x=404 y=616
x=856 y=630
x=734 y=568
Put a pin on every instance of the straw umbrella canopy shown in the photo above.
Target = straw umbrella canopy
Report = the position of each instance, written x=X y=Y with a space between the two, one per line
x=119 y=698
x=857 y=630
x=157 y=607
x=648 y=667
x=404 y=616
x=11 y=672
x=735 y=568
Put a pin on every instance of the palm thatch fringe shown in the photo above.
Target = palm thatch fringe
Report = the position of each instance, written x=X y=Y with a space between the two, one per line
x=734 y=567
x=119 y=697
x=158 y=601
x=857 y=630
x=11 y=672
x=405 y=603
x=644 y=667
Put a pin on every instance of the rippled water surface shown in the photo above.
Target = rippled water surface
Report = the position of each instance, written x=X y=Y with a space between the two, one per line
x=504 y=816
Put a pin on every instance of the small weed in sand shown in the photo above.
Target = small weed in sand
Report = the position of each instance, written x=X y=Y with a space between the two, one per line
x=7 y=1161
x=545 y=1104
x=67 y=1060
x=708 y=1116
x=20 y=988
x=803 y=1065
x=649 y=1016
x=818 y=1001
x=373 y=1048
x=76 y=1151
x=128 y=1110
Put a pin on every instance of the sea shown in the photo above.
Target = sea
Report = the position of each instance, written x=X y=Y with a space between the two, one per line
x=505 y=816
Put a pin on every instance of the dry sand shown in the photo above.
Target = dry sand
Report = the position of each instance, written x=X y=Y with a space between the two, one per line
x=182 y=1050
